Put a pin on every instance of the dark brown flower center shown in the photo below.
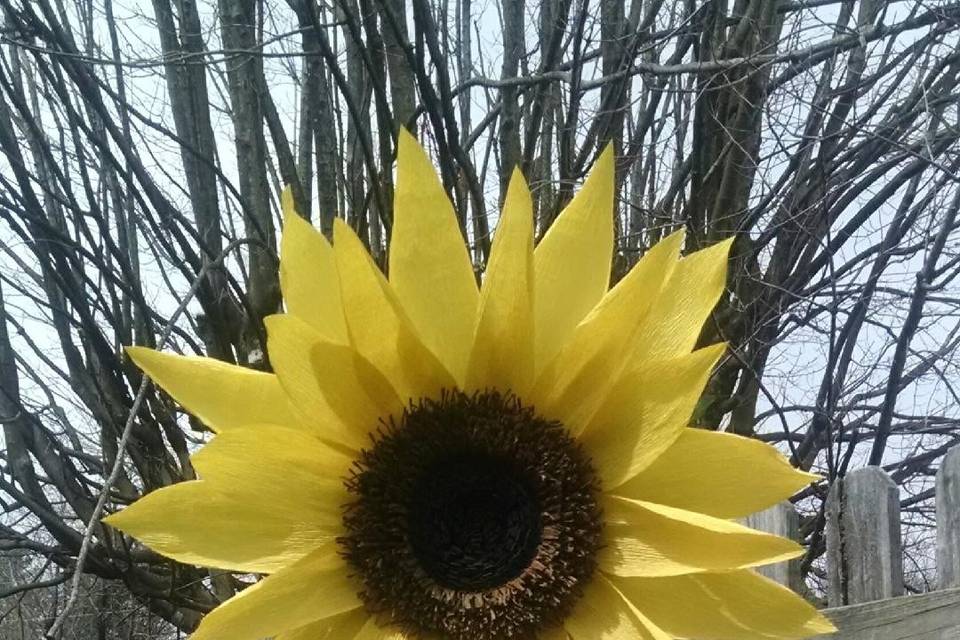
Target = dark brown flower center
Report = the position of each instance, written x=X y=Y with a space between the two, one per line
x=472 y=519
x=474 y=522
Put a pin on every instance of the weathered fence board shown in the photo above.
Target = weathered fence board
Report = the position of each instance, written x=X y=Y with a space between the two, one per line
x=780 y=519
x=864 y=558
x=948 y=520
x=929 y=616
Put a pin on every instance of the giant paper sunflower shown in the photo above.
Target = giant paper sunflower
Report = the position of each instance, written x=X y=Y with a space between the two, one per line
x=436 y=460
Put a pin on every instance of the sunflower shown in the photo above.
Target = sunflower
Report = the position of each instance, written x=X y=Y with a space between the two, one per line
x=436 y=460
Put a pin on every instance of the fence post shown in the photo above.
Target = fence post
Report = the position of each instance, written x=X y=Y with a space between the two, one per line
x=948 y=520
x=864 y=560
x=782 y=520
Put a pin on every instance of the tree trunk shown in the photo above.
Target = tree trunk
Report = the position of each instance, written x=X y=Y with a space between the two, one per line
x=187 y=89
x=238 y=27
x=513 y=49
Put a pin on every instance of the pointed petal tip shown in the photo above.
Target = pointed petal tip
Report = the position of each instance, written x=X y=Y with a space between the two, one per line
x=405 y=137
x=792 y=549
x=683 y=542
x=782 y=550
x=730 y=605
x=518 y=184
x=409 y=153
x=286 y=201
x=295 y=233
x=112 y=520
x=606 y=155
x=603 y=168
x=132 y=350
x=145 y=357
x=716 y=253
x=812 y=478
x=128 y=518
x=727 y=245
x=405 y=143
x=680 y=234
x=292 y=217
x=820 y=624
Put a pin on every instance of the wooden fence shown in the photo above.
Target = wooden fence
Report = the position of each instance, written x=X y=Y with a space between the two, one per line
x=865 y=559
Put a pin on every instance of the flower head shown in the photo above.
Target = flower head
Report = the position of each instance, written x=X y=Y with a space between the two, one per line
x=434 y=459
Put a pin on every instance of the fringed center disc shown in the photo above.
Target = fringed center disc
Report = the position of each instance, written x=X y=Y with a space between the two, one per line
x=472 y=519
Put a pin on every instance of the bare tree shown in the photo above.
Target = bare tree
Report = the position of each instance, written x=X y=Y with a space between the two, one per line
x=143 y=151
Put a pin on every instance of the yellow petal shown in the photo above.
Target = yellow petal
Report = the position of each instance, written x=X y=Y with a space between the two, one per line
x=720 y=474
x=503 y=348
x=604 y=614
x=342 y=626
x=198 y=523
x=279 y=466
x=644 y=413
x=221 y=395
x=572 y=261
x=332 y=387
x=430 y=268
x=308 y=274
x=373 y=631
x=379 y=328
x=674 y=323
x=739 y=605
x=600 y=346
x=650 y=540
x=313 y=588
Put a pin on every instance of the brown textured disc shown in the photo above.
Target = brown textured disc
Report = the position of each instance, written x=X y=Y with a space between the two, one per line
x=472 y=519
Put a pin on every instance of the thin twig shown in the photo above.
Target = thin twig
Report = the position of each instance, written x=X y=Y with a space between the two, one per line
x=94 y=519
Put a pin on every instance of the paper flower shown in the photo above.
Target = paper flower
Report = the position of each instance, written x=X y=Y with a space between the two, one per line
x=434 y=459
